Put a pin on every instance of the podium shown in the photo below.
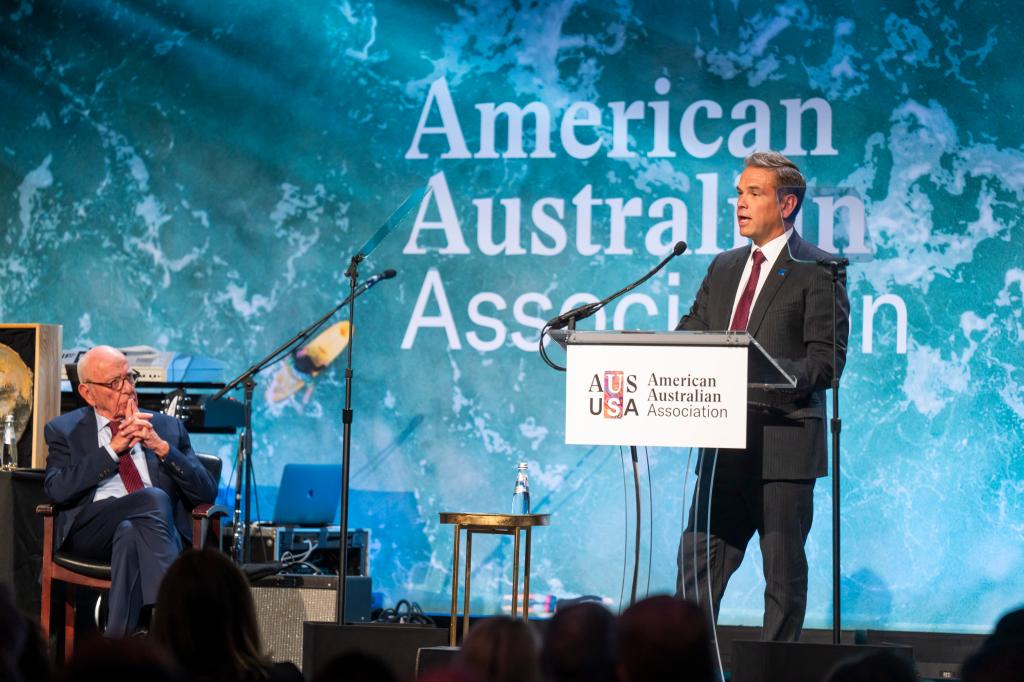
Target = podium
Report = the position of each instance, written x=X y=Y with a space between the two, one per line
x=671 y=389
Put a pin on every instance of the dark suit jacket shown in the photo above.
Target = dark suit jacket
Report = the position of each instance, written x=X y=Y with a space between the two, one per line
x=792 y=320
x=77 y=465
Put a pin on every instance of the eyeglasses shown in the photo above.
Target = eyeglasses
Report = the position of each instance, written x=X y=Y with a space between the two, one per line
x=117 y=384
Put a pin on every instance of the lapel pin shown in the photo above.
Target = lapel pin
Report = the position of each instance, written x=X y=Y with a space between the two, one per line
x=782 y=272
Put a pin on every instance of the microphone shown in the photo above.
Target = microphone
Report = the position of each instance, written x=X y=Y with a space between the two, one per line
x=829 y=261
x=370 y=281
x=581 y=312
x=587 y=309
x=841 y=262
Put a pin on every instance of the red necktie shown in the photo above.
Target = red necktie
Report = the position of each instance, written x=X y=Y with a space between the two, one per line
x=126 y=465
x=742 y=314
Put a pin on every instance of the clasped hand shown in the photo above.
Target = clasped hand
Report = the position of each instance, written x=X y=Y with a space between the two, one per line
x=136 y=428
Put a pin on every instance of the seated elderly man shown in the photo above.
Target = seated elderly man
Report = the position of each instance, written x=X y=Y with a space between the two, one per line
x=124 y=482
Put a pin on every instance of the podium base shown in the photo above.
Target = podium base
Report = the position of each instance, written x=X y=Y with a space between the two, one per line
x=433 y=658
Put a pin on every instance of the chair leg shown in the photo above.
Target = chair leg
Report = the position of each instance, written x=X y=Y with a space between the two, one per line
x=69 y=621
x=44 y=607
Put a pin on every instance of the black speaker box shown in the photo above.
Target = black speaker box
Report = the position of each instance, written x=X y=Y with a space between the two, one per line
x=285 y=602
x=431 y=657
x=397 y=645
x=754 y=661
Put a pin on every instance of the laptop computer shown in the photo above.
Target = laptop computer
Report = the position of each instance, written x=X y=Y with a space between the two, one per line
x=309 y=495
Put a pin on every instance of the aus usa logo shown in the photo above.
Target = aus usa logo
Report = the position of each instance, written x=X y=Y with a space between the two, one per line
x=610 y=394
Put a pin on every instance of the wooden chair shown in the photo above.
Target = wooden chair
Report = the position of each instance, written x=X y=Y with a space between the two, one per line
x=72 y=571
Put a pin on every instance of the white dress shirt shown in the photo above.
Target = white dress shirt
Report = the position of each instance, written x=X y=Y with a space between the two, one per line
x=114 y=486
x=771 y=252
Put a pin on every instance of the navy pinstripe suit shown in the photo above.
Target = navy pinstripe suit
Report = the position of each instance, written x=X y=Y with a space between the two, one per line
x=768 y=487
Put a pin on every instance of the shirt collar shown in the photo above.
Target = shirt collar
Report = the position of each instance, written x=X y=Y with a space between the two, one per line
x=101 y=421
x=772 y=249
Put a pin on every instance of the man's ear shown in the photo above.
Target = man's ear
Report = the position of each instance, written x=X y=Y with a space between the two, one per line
x=788 y=206
x=83 y=390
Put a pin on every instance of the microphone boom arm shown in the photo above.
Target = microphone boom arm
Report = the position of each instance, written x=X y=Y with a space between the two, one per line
x=586 y=310
x=571 y=317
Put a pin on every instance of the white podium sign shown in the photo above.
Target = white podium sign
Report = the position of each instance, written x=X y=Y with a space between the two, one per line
x=675 y=396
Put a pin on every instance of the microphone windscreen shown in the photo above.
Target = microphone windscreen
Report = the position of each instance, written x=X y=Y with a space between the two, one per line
x=678 y=249
x=388 y=274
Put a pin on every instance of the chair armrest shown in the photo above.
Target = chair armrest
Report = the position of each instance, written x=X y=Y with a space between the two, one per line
x=206 y=521
x=209 y=511
x=45 y=510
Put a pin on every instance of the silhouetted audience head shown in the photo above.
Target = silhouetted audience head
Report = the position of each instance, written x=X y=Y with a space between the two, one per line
x=500 y=650
x=206 y=619
x=995 y=663
x=120 y=660
x=355 y=666
x=22 y=650
x=1010 y=628
x=578 y=645
x=660 y=637
x=1001 y=657
x=882 y=666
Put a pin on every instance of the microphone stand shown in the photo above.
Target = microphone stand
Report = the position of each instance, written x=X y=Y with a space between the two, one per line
x=836 y=426
x=247 y=380
x=834 y=266
x=346 y=442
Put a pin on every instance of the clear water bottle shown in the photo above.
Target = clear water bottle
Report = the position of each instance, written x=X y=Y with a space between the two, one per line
x=9 y=458
x=521 y=494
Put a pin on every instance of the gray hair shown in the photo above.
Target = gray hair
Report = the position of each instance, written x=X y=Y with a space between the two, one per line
x=788 y=178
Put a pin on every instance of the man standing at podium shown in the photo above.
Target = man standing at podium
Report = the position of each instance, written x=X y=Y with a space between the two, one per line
x=125 y=482
x=776 y=291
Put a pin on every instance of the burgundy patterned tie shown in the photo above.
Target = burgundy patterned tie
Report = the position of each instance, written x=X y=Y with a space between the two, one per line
x=742 y=314
x=126 y=465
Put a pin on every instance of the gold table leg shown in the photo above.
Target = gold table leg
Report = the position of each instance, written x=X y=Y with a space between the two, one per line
x=526 y=578
x=455 y=589
x=465 y=603
x=515 y=573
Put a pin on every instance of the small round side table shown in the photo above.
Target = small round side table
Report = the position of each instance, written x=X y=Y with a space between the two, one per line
x=490 y=524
